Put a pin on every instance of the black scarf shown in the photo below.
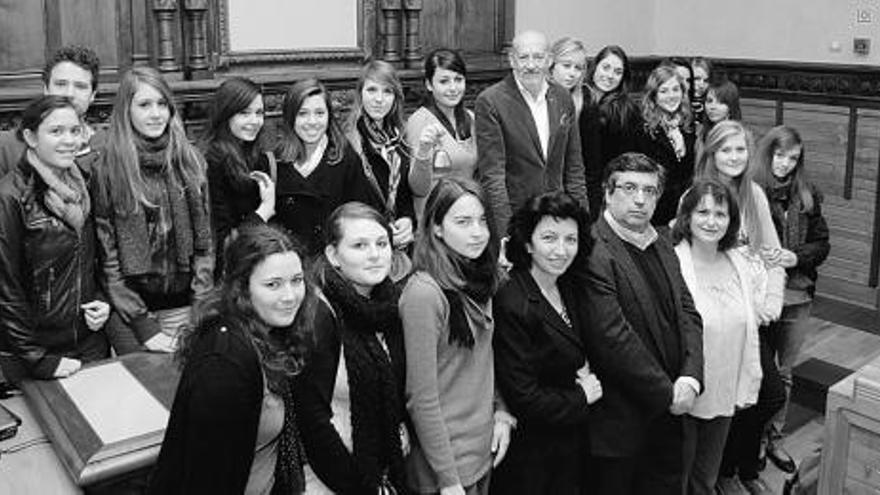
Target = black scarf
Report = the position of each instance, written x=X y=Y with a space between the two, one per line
x=479 y=286
x=289 y=477
x=462 y=130
x=376 y=399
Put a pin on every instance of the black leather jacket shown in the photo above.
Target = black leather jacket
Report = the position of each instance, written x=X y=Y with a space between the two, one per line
x=47 y=271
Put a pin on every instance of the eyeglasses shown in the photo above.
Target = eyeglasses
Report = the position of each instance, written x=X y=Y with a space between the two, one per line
x=631 y=189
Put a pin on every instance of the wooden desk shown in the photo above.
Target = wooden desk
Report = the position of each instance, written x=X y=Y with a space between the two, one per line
x=35 y=470
x=851 y=451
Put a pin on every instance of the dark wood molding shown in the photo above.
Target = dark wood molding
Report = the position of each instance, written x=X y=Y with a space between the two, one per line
x=226 y=59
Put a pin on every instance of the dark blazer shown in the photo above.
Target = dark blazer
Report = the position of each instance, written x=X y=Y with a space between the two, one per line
x=626 y=345
x=679 y=173
x=510 y=164
x=537 y=356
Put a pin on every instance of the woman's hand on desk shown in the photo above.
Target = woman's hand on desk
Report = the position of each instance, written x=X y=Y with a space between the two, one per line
x=67 y=367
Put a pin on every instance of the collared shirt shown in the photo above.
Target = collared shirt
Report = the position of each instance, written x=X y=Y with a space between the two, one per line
x=641 y=240
x=540 y=113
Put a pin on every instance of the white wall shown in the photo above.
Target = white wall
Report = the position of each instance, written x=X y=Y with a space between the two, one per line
x=819 y=31
x=628 y=23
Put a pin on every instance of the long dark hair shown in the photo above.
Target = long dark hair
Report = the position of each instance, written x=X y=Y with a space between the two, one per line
x=445 y=58
x=431 y=254
x=233 y=96
x=616 y=108
x=282 y=350
x=290 y=146
x=783 y=138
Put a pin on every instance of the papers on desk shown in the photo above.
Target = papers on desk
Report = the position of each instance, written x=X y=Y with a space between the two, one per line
x=114 y=403
x=109 y=418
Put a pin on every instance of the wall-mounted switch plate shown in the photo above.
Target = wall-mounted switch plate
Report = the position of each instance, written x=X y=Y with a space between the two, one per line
x=861 y=46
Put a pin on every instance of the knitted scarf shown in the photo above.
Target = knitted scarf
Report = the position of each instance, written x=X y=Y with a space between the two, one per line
x=192 y=228
x=479 y=286
x=384 y=142
x=376 y=403
x=289 y=477
x=67 y=196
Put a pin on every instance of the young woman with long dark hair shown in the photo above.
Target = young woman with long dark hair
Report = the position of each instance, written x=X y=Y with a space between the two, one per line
x=461 y=428
x=234 y=141
x=610 y=121
x=317 y=168
x=232 y=427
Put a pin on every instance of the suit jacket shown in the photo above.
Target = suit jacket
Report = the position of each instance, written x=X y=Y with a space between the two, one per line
x=626 y=343
x=510 y=164
x=537 y=356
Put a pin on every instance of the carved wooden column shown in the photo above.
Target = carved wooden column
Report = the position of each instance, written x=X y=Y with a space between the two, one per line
x=196 y=37
x=165 y=10
x=413 y=48
x=392 y=14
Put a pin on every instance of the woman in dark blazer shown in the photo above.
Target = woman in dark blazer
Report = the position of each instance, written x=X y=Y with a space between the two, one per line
x=540 y=360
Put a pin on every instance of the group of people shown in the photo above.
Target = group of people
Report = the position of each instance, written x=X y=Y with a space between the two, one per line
x=563 y=291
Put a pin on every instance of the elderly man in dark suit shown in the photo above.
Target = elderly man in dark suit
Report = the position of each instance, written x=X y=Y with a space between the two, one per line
x=527 y=135
x=644 y=340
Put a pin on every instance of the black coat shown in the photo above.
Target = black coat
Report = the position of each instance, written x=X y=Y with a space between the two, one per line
x=47 y=270
x=626 y=346
x=212 y=430
x=537 y=356
x=303 y=204
x=679 y=172
x=603 y=139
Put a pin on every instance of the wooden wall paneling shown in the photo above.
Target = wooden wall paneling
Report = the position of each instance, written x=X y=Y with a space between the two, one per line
x=22 y=42
x=477 y=27
x=438 y=25
x=91 y=23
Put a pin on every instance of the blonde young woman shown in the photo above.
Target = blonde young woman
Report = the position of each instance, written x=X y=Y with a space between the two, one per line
x=151 y=209
x=567 y=68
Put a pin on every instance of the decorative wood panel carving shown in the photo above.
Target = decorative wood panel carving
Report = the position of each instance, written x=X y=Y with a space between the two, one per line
x=166 y=12
x=196 y=36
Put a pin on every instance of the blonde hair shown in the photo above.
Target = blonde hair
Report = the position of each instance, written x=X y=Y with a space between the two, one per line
x=651 y=112
x=743 y=186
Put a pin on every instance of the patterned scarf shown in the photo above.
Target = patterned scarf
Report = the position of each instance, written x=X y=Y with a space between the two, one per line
x=672 y=126
x=376 y=396
x=386 y=143
x=786 y=207
x=67 y=196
